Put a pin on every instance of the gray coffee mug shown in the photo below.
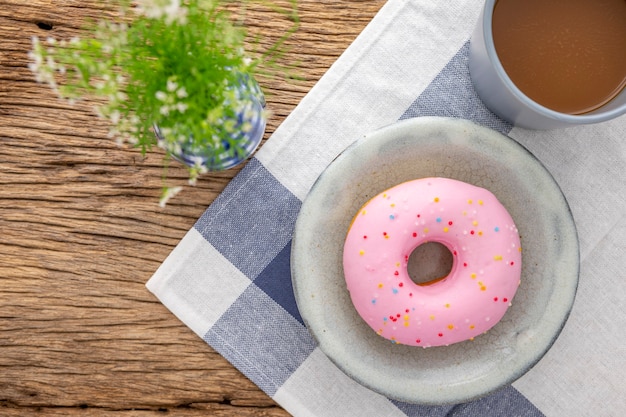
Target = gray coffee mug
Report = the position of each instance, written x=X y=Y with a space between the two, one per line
x=501 y=96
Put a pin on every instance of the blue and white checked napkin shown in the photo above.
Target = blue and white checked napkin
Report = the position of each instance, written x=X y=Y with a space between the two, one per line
x=229 y=278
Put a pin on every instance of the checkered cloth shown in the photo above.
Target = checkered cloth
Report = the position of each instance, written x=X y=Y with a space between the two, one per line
x=229 y=278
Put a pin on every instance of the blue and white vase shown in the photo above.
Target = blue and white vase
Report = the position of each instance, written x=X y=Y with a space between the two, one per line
x=249 y=114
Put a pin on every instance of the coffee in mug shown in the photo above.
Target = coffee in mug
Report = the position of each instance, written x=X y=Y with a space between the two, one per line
x=545 y=64
x=567 y=55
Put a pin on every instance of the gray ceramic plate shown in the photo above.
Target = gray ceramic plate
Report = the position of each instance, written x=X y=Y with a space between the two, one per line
x=427 y=147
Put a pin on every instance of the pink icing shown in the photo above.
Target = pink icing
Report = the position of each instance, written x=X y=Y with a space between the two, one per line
x=486 y=266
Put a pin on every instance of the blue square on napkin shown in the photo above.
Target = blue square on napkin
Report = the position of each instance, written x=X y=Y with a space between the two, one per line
x=452 y=94
x=252 y=220
x=261 y=339
x=275 y=280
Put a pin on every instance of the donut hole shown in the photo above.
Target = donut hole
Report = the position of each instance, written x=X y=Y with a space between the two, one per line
x=429 y=263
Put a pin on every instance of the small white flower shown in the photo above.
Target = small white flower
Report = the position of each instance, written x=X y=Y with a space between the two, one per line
x=246 y=127
x=175 y=148
x=174 y=12
x=181 y=93
x=50 y=63
x=133 y=140
x=160 y=95
x=157 y=9
x=115 y=117
x=181 y=107
x=107 y=48
x=167 y=194
x=171 y=86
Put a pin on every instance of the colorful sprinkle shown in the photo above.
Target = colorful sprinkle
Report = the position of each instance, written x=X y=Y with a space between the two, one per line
x=415 y=313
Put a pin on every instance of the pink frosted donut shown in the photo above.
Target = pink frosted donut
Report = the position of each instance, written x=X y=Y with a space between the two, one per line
x=472 y=298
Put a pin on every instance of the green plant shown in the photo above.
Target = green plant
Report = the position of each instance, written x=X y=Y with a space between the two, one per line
x=174 y=66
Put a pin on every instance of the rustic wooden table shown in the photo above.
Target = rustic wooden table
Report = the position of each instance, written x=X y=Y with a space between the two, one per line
x=81 y=232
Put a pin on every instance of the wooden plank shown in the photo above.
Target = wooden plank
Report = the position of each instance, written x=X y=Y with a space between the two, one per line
x=81 y=233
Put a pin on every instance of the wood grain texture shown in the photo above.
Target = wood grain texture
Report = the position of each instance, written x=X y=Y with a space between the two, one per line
x=81 y=233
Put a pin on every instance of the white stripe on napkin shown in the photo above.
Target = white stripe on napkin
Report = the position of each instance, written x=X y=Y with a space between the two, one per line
x=197 y=283
x=423 y=36
x=301 y=393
